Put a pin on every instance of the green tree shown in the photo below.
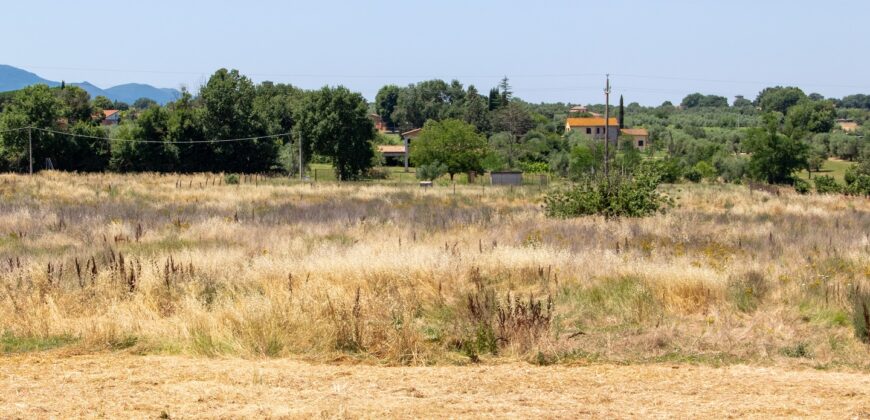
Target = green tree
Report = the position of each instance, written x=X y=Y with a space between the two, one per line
x=33 y=106
x=385 y=103
x=476 y=110
x=452 y=142
x=494 y=100
x=144 y=103
x=185 y=130
x=505 y=91
x=808 y=117
x=89 y=151
x=228 y=99
x=515 y=120
x=76 y=104
x=334 y=123
x=774 y=157
x=741 y=102
x=779 y=98
x=621 y=113
x=102 y=102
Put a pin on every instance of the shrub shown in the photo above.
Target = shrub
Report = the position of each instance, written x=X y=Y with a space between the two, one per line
x=431 y=171
x=535 y=167
x=377 y=173
x=827 y=185
x=861 y=314
x=693 y=175
x=231 y=179
x=857 y=183
x=748 y=290
x=634 y=196
x=706 y=170
x=801 y=186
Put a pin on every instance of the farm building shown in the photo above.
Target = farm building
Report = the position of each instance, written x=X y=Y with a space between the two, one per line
x=111 y=117
x=639 y=136
x=594 y=127
x=506 y=178
x=395 y=152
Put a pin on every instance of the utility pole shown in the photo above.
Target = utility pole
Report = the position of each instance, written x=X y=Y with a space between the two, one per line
x=301 y=168
x=30 y=147
x=607 y=128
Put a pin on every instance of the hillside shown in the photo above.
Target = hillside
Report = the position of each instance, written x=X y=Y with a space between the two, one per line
x=13 y=78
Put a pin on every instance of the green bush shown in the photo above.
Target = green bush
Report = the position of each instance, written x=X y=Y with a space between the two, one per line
x=535 y=167
x=231 y=179
x=706 y=170
x=827 y=185
x=801 y=186
x=431 y=171
x=634 y=196
x=859 y=186
x=693 y=175
x=378 y=173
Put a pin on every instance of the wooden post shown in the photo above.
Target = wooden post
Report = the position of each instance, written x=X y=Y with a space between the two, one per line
x=30 y=147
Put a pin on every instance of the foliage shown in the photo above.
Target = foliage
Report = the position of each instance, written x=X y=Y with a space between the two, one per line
x=617 y=196
x=535 y=167
x=431 y=171
x=698 y=100
x=334 y=122
x=809 y=117
x=861 y=314
x=452 y=142
x=801 y=186
x=826 y=184
x=775 y=157
x=779 y=99
x=385 y=103
x=228 y=99
x=693 y=175
x=231 y=179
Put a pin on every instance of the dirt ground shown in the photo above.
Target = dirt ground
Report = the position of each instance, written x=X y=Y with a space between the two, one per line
x=45 y=385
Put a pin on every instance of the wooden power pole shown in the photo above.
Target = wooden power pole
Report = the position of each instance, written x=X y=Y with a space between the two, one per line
x=301 y=168
x=607 y=128
x=30 y=147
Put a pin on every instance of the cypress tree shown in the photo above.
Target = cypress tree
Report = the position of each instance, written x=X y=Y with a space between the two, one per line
x=621 y=114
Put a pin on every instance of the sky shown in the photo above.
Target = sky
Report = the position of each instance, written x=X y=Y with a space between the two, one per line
x=550 y=50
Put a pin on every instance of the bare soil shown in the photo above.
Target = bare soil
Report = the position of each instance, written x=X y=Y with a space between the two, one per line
x=41 y=385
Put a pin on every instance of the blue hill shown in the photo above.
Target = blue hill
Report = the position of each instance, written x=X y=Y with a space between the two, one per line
x=13 y=78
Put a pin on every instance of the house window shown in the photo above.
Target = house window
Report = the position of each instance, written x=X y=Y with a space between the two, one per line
x=640 y=143
x=588 y=130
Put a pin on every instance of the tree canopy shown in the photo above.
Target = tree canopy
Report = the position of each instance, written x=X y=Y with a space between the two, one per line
x=454 y=143
x=334 y=122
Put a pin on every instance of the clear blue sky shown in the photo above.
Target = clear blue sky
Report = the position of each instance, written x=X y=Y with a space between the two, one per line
x=551 y=50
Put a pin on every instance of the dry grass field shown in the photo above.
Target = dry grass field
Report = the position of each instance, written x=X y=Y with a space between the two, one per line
x=166 y=270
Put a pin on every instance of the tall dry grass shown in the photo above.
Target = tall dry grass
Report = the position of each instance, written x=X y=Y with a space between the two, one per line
x=392 y=274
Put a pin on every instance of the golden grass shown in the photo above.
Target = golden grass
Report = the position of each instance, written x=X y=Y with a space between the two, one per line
x=399 y=275
x=121 y=386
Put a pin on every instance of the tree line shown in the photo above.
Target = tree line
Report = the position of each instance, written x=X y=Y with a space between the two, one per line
x=702 y=138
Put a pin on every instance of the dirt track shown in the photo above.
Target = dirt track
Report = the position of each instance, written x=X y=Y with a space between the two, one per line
x=45 y=385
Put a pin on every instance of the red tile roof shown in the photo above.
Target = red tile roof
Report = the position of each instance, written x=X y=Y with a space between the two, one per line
x=591 y=122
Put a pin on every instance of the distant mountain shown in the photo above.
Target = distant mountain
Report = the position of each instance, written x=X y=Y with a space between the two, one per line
x=13 y=78
x=90 y=89
x=130 y=92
